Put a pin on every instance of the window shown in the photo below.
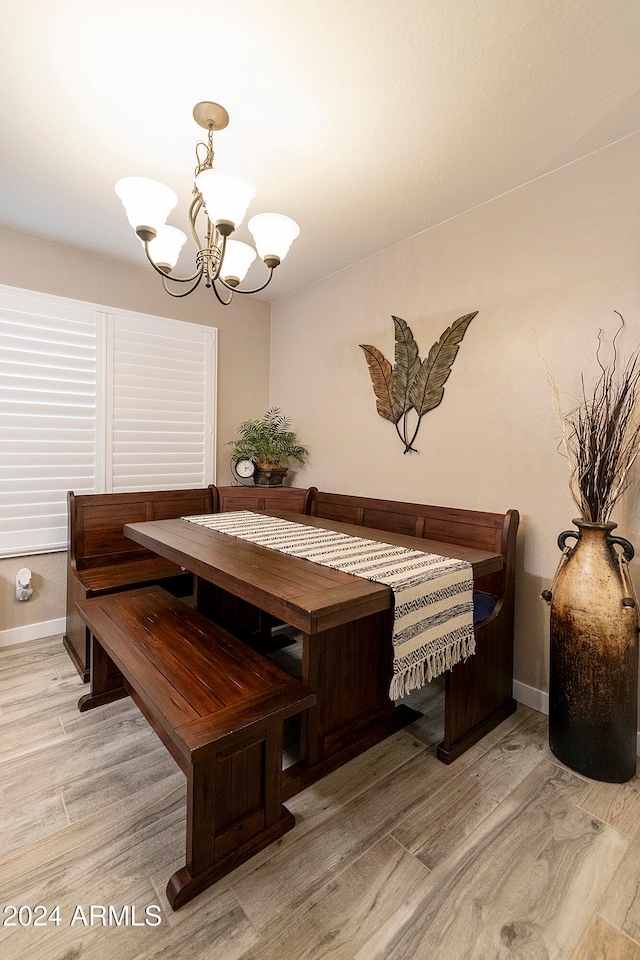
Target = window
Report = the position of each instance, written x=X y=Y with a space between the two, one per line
x=95 y=401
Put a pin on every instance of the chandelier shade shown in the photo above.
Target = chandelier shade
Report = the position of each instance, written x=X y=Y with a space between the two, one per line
x=147 y=203
x=219 y=205
x=238 y=257
x=165 y=247
x=226 y=197
x=273 y=234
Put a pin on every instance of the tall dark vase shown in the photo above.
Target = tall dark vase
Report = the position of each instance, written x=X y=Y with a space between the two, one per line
x=594 y=655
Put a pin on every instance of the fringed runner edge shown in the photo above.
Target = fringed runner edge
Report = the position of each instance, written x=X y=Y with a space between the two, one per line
x=415 y=675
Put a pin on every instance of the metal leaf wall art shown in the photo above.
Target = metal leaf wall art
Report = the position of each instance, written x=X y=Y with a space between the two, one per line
x=413 y=384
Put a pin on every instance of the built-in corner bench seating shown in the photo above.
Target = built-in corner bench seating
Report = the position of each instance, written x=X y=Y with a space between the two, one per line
x=102 y=560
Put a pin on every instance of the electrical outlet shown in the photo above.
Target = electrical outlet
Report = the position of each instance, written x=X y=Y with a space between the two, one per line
x=24 y=590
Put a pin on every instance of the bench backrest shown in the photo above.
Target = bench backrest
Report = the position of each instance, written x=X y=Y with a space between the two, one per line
x=293 y=499
x=96 y=521
x=472 y=528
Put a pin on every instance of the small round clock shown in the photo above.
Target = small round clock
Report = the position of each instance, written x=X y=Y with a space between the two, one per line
x=243 y=469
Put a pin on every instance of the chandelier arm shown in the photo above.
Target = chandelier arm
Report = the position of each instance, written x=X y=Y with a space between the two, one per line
x=194 y=211
x=254 y=290
x=225 y=303
x=197 y=275
x=185 y=293
x=210 y=254
x=218 y=265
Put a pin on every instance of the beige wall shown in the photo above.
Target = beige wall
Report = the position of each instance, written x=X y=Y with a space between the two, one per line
x=243 y=370
x=545 y=266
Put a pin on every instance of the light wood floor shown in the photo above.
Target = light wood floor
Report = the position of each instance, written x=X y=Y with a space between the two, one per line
x=504 y=854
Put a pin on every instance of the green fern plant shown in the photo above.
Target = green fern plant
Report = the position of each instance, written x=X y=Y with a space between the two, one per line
x=269 y=441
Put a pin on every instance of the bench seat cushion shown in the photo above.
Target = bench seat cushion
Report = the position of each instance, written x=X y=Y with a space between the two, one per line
x=483 y=606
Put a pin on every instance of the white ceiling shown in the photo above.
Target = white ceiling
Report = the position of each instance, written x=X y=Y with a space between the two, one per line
x=366 y=120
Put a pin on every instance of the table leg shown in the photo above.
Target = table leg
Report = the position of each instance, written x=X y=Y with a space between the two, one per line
x=349 y=668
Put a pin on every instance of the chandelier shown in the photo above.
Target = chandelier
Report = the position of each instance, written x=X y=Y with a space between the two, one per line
x=219 y=204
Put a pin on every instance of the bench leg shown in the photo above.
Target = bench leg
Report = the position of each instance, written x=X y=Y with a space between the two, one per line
x=76 y=639
x=106 y=680
x=234 y=809
x=478 y=692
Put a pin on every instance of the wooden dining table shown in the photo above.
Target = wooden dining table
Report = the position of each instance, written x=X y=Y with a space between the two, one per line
x=345 y=621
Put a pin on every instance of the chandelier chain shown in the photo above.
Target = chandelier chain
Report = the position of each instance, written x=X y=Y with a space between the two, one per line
x=207 y=163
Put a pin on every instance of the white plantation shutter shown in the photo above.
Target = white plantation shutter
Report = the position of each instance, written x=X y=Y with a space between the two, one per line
x=47 y=419
x=162 y=422
x=93 y=401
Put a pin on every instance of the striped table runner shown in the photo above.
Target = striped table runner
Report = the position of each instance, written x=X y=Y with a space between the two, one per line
x=433 y=612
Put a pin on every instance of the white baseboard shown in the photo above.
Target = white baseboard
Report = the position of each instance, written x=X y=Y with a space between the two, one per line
x=32 y=631
x=539 y=700
x=531 y=697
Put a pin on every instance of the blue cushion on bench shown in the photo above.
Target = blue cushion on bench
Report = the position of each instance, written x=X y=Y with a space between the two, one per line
x=483 y=606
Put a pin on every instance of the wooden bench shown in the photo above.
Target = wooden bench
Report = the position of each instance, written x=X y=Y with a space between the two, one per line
x=217 y=706
x=478 y=692
x=102 y=560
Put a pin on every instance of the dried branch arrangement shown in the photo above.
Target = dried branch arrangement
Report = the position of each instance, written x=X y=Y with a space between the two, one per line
x=601 y=434
x=413 y=384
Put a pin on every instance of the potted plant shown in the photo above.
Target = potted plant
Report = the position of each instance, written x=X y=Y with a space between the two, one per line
x=594 y=613
x=270 y=445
